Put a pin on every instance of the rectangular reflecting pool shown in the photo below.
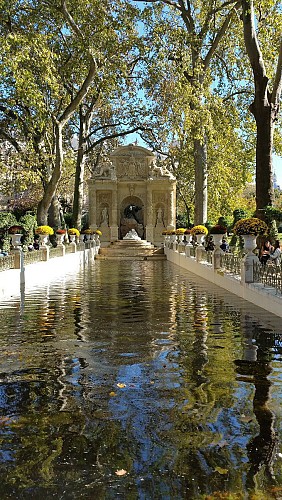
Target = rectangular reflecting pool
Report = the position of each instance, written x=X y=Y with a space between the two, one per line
x=137 y=380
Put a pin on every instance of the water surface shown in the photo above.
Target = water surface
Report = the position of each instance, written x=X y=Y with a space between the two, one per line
x=137 y=380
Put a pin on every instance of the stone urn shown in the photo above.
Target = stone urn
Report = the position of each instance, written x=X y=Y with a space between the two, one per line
x=200 y=238
x=16 y=240
x=43 y=239
x=250 y=242
x=60 y=238
x=72 y=238
x=217 y=239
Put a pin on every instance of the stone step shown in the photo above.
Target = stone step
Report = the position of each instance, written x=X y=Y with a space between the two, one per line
x=131 y=257
x=131 y=249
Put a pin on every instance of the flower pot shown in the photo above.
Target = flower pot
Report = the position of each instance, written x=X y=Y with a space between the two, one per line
x=60 y=238
x=16 y=240
x=250 y=242
x=43 y=239
x=200 y=238
x=72 y=238
x=217 y=238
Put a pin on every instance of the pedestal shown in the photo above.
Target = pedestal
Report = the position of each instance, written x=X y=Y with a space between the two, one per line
x=247 y=269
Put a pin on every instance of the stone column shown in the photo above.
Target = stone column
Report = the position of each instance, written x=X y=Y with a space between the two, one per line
x=171 y=209
x=114 y=216
x=92 y=204
x=149 y=212
x=149 y=208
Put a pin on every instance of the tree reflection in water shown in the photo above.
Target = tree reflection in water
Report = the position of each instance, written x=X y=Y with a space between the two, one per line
x=261 y=448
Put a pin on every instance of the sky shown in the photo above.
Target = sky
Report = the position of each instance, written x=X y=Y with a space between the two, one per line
x=277 y=167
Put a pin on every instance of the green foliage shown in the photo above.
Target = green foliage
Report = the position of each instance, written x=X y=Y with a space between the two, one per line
x=272 y=213
x=7 y=219
x=238 y=214
x=272 y=230
x=28 y=221
x=181 y=220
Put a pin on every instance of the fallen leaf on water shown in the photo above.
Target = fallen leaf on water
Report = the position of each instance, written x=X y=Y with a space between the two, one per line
x=246 y=419
x=120 y=385
x=120 y=472
x=222 y=443
x=221 y=471
x=112 y=393
x=5 y=420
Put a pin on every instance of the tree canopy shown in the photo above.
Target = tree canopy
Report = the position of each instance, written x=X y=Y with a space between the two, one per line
x=185 y=74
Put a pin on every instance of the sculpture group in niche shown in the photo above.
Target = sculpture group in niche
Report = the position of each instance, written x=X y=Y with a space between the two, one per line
x=132 y=219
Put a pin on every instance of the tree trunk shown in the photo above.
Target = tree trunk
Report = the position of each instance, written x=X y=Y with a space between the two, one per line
x=201 y=182
x=264 y=108
x=44 y=204
x=54 y=217
x=78 y=187
x=264 y=146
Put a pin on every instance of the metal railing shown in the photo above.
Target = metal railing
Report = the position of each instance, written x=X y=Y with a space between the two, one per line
x=270 y=275
x=56 y=252
x=34 y=256
x=231 y=263
x=7 y=262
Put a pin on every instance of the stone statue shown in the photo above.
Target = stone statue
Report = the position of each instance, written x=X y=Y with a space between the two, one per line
x=159 y=170
x=160 y=218
x=105 y=170
x=105 y=216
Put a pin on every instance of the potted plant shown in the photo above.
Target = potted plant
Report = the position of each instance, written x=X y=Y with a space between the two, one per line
x=249 y=229
x=44 y=232
x=250 y=226
x=73 y=234
x=217 y=232
x=218 y=229
x=60 y=234
x=15 y=229
x=180 y=233
x=16 y=233
x=199 y=232
x=85 y=234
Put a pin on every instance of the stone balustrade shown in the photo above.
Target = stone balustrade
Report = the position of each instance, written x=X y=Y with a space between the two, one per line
x=242 y=274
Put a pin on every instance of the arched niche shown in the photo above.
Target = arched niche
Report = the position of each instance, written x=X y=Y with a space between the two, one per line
x=131 y=216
